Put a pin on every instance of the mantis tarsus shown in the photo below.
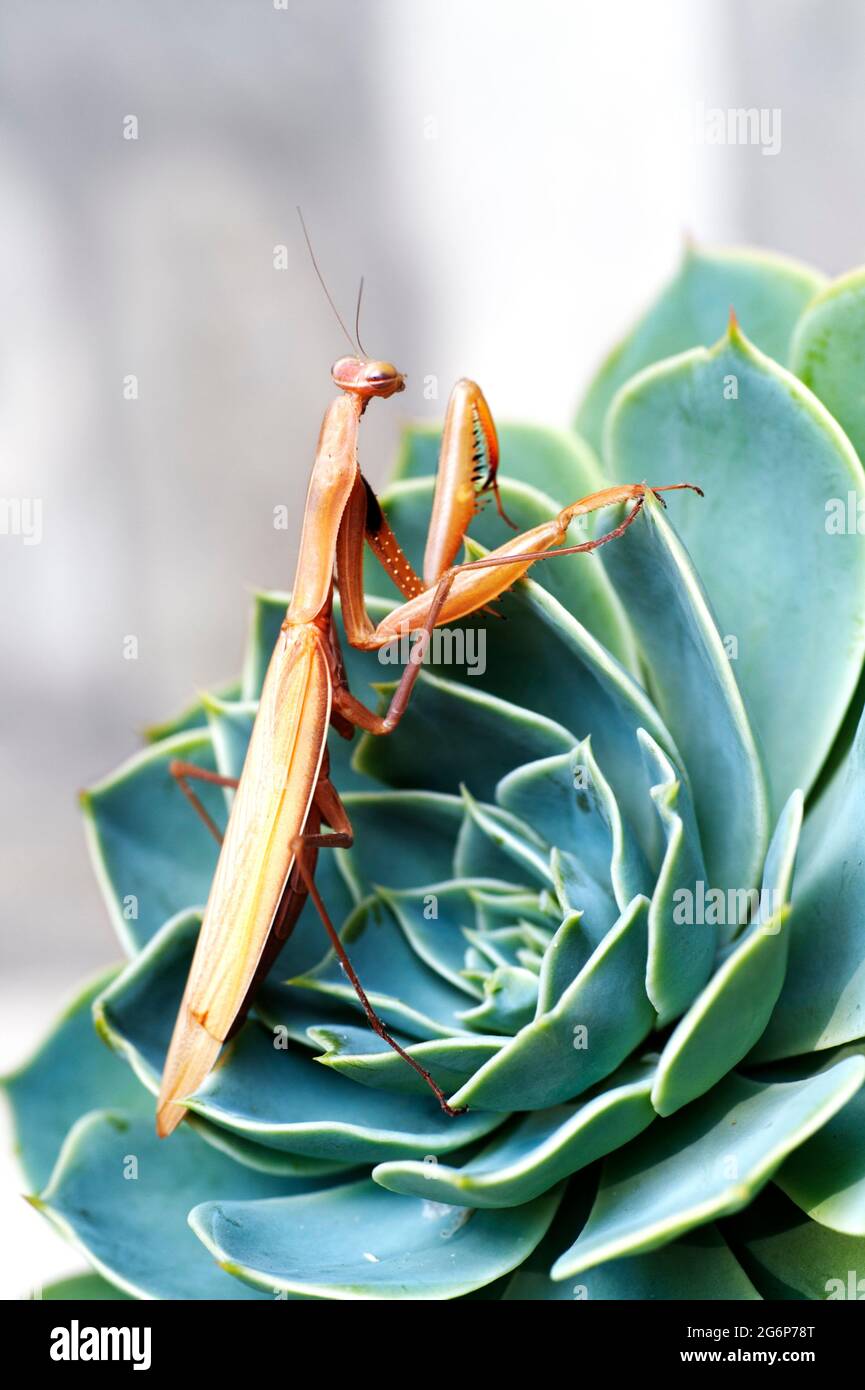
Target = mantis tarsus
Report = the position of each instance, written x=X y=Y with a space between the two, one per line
x=284 y=796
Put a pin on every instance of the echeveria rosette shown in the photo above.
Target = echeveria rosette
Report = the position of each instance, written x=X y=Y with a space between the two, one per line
x=656 y=1108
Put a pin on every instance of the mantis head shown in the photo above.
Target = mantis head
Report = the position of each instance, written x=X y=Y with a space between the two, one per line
x=366 y=379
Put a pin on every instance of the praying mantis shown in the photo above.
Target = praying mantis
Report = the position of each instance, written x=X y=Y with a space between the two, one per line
x=266 y=866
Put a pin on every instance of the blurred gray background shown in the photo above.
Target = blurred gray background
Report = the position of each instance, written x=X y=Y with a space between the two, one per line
x=514 y=181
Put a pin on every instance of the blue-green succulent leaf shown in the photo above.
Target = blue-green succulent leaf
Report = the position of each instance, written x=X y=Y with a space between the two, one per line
x=822 y=1002
x=508 y=945
x=537 y=1151
x=575 y=683
x=565 y=674
x=594 y=1026
x=292 y=1013
x=230 y=724
x=401 y=988
x=278 y=1096
x=769 y=456
x=828 y=352
x=268 y=611
x=571 y=804
x=681 y=954
x=578 y=891
x=361 y=1242
x=265 y=1090
x=360 y=1055
x=698 y=1267
x=532 y=960
x=790 y=1257
x=768 y=292
x=708 y=1161
x=724 y=1019
x=505 y=905
x=401 y=839
x=826 y=1176
x=563 y=960
x=121 y=1196
x=729 y=1015
x=696 y=694
x=454 y=733
x=510 y=999
x=265 y=1160
x=780 y=865
x=71 y=1071
x=152 y=854
x=434 y=920
x=135 y=1012
x=494 y=843
x=193 y=715
x=81 y=1288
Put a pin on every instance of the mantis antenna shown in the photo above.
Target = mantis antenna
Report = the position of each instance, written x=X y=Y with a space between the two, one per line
x=363 y=351
x=355 y=347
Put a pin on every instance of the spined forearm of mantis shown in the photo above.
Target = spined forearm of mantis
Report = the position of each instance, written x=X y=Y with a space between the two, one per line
x=284 y=797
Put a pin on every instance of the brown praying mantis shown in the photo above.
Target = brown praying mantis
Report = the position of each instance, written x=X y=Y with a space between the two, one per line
x=266 y=866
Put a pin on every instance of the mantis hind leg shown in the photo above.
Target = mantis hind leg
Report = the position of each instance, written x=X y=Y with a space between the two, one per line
x=184 y=773
x=341 y=836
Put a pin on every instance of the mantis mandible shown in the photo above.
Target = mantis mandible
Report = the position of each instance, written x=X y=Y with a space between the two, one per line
x=284 y=796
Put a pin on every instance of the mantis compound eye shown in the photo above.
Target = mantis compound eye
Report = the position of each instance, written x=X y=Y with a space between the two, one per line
x=384 y=378
x=367 y=378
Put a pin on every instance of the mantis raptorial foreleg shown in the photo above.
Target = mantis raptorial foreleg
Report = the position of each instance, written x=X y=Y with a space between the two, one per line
x=469 y=448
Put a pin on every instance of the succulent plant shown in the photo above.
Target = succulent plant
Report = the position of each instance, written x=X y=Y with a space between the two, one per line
x=577 y=891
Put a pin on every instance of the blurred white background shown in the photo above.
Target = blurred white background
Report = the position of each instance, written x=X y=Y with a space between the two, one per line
x=514 y=180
